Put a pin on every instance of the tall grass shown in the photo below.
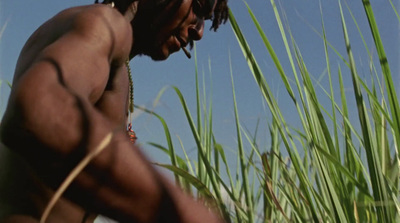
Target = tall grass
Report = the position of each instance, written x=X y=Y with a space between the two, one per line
x=324 y=177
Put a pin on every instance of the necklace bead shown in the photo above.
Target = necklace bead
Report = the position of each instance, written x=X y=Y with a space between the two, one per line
x=131 y=133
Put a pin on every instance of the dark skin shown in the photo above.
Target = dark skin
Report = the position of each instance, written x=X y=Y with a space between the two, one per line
x=70 y=90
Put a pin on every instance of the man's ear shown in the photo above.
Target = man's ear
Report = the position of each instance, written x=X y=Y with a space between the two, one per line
x=131 y=11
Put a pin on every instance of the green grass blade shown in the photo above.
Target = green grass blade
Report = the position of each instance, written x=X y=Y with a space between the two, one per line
x=391 y=90
x=242 y=159
x=272 y=53
x=201 y=188
x=377 y=180
x=282 y=127
x=171 y=148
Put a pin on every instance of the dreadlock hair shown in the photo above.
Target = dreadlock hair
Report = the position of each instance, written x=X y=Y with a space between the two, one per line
x=220 y=14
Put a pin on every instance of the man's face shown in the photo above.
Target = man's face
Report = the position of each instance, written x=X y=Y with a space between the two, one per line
x=173 y=25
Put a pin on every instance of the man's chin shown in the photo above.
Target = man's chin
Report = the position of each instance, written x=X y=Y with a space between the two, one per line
x=159 y=56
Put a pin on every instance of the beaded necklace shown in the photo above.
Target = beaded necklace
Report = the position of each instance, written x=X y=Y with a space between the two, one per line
x=131 y=133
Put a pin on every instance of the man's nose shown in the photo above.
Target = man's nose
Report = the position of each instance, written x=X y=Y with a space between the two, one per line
x=195 y=31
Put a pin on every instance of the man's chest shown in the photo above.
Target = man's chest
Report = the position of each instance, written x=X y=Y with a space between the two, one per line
x=114 y=101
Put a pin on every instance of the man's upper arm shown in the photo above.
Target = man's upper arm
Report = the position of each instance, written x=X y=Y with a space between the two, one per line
x=69 y=73
x=82 y=56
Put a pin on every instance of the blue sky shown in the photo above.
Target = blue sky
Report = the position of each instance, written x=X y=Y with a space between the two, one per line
x=22 y=17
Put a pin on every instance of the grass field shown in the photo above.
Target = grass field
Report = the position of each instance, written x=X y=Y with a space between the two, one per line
x=338 y=168
x=332 y=168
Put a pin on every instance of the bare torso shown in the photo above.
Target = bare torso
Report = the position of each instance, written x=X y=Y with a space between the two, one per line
x=22 y=194
x=112 y=100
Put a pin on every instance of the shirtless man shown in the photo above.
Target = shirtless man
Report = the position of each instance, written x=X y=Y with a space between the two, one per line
x=71 y=90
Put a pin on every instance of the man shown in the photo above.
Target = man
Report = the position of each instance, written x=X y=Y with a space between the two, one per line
x=71 y=92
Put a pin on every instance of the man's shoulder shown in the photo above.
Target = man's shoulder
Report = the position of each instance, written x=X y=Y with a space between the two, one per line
x=99 y=25
x=98 y=16
x=99 y=21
